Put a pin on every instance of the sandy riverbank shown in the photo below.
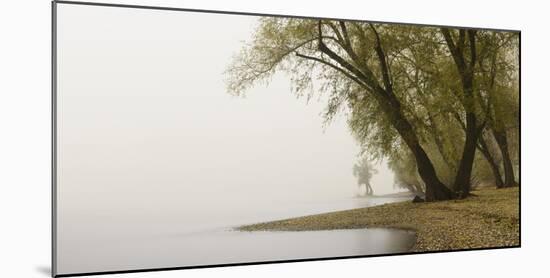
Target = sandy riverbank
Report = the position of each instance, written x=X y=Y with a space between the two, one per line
x=490 y=219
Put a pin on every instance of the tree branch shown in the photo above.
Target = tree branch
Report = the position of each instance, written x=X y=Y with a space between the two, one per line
x=473 y=52
x=345 y=33
x=367 y=77
x=382 y=59
x=341 y=70
x=456 y=53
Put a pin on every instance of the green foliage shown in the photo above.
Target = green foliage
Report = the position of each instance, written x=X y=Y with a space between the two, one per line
x=417 y=69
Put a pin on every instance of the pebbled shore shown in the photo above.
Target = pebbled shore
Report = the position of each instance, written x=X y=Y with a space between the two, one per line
x=489 y=219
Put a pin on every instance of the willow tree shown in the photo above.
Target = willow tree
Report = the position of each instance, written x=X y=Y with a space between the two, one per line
x=363 y=171
x=462 y=45
x=441 y=106
x=356 y=62
x=486 y=63
x=429 y=84
x=501 y=72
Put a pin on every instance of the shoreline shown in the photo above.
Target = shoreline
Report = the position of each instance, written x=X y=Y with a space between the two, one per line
x=489 y=219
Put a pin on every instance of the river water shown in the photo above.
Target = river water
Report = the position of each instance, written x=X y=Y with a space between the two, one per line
x=213 y=240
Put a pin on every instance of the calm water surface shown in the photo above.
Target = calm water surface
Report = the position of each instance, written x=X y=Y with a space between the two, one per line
x=214 y=241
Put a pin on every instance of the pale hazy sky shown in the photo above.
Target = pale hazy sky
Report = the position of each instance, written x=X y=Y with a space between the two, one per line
x=143 y=109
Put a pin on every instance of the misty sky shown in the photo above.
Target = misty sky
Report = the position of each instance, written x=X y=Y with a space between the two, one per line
x=143 y=108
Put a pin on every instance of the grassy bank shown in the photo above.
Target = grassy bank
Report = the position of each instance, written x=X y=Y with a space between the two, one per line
x=490 y=219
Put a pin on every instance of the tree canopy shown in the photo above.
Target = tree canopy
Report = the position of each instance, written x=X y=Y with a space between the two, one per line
x=425 y=98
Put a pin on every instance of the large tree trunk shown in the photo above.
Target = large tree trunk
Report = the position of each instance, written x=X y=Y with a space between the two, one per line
x=466 y=71
x=502 y=142
x=462 y=183
x=435 y=189
x=484 y=148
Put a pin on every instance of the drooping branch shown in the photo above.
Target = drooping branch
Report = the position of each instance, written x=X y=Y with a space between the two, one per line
x=341 y=70
x=257 y=70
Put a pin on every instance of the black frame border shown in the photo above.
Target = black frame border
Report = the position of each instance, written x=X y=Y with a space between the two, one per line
x=54 y=80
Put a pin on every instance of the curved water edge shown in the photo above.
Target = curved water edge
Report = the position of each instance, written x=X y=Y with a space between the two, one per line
x=345 y=242
x=339 y=242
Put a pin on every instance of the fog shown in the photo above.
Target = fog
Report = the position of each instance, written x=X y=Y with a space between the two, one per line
x=149 y=141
